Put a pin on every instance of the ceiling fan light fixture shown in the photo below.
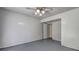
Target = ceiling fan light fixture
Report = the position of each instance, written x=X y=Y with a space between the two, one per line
x=39 y=11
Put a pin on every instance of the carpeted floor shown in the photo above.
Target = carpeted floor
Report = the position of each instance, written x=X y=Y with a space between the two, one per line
x=40 y=45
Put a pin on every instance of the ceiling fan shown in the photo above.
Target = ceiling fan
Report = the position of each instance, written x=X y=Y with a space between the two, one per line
x=40 y=10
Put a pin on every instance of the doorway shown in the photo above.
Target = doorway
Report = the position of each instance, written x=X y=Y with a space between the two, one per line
x=49 y=31
x=52 y=30
x=46 y=30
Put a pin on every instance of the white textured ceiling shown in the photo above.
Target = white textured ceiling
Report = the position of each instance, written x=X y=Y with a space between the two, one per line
x=23 y=10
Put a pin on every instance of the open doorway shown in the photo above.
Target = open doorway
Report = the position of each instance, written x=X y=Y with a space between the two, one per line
x=52 y=30
x=49 y=31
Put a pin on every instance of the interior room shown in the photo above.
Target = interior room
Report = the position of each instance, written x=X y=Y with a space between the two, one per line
x=39 y=28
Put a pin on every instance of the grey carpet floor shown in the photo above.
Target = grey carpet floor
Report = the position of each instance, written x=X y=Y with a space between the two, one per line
x=40 y=45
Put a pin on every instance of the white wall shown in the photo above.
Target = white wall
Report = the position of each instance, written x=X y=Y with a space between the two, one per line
x=69 y=27
x=56 y=30
x=17 y=29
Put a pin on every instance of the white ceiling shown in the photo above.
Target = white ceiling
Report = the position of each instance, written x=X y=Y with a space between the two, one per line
x=23 y=10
